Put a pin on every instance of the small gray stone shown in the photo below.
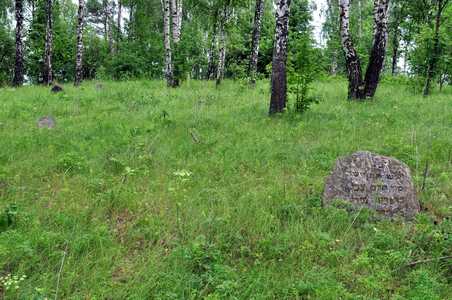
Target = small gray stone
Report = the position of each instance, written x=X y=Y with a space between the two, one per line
x=373 y=181
x=46 y=122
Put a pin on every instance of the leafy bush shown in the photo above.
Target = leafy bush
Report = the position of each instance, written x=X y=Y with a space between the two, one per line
x=302 y=71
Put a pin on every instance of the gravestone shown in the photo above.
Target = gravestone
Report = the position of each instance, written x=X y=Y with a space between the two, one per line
x=46 y=122
x=57 y=88
x=373 y=181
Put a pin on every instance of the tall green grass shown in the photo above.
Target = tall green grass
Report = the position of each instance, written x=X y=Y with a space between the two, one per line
x=144 y=192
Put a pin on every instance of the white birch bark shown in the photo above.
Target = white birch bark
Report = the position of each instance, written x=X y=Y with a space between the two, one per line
x=48 y=72
x=222 y=47
x=255 y=43
x=176 y=19
x=79 y=50
x=356 y=84
x=167 y=42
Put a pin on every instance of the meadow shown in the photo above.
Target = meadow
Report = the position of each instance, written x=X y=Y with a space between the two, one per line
x=145 y=192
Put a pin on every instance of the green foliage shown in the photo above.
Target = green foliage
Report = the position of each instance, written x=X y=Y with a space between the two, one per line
x=303 y=62
x=8 y=218
x=7 y=55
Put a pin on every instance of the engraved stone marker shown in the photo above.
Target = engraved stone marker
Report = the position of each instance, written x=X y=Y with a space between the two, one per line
x=373 y=181
x=46 y=122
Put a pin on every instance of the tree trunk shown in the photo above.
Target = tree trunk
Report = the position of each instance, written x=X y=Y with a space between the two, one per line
x=433 y=60
x=48 y=72
x=119 y=19
x=176 y=19
x=19 y=62
x=377 y=55
x=79 y=53
x=398 y=15
x=356 y=84
x=105 y=19
x=395 y=54
x=108 y=25
x=180 y=16
x=259 y=11
x=176 y=22
x=167 y=42
x=211 y=67
x=360 y=19
x=211 y=56
x=222 y=47
x=279 y=78
x=333 y=70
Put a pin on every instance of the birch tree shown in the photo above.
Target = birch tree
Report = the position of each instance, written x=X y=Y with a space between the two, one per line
x=176 y=19
x=119 y=21
x=19 y=60
x=222 y=46
x=259 y=11
x=279 y=76
x=167 y=42
x=359 y=88
x=435 y=55
x=79 y=50
x=378 y=52
x=211 y=65
x=176 y=28
x=48 y=71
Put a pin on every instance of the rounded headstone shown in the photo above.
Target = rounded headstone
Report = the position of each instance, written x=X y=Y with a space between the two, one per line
x=57 y=88
x=46 y=122
x=377 y=182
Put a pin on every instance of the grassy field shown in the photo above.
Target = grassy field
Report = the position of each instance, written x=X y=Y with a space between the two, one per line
x=141 y=192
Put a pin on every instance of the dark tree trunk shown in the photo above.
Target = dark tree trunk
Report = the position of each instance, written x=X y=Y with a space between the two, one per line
x=48 y=72
x=79 y=52
x=377 y=55
x=19 y=62
x=259 y=11
x=356 y=84
x=433 y=60
x=279 y=77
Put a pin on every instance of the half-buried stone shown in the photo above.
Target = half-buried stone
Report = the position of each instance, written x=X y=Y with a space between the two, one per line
x=46 y=122
x=373 y=181
x=56 y=88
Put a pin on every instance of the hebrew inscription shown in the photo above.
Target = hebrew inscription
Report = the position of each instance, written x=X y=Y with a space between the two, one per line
x=374 y=181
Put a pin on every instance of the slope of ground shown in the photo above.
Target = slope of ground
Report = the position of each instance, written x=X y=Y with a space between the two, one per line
x=141 y=192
